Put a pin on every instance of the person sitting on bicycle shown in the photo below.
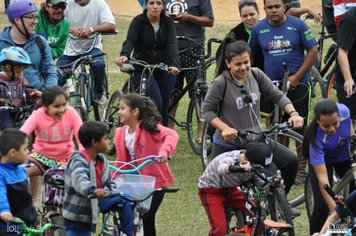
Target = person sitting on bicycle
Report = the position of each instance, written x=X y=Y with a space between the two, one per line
x=326 y=144
x=236 y=93
x=218 y=184
x=341 y=212
x=41 y=73
x=15 y=199
x=53 y=26
x=152 y=36
x=55 y=124
x=88 y=173
x=88 y=18
x=13 y=62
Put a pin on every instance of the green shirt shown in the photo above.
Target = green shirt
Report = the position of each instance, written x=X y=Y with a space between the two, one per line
x=56 y=34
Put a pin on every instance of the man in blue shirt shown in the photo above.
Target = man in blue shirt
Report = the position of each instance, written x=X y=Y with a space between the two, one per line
x=285 y=39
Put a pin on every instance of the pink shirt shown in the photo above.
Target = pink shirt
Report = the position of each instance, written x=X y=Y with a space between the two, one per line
x=147 y=143
x=54 y=138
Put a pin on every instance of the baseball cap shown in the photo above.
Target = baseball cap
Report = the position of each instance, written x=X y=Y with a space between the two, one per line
x=55 y=2
x=259 y=153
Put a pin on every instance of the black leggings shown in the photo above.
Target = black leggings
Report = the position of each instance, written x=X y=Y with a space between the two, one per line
x=149 y=219
x=283 y=158
x=321 y=209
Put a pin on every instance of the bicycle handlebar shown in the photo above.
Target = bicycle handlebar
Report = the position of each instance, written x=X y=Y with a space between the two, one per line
x=129 y=66
x=87 y=59
x=190 y=41
x=150 y=159
x=32 y=230
x=283 y=127
x=333 y=195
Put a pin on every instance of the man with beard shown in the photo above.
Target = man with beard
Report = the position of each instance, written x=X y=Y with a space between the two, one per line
x=53 y=26
x=86 y=18
x=22 y=15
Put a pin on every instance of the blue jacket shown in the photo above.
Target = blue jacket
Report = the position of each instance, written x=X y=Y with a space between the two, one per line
x=15 y=196
x=42 y=73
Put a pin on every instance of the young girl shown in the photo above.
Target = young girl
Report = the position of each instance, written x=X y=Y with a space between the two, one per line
x=54 y=124
x=141 y=136
x=13 y=61
x=326 y=144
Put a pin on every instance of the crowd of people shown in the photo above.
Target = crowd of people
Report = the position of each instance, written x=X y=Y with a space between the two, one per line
x=249 y=59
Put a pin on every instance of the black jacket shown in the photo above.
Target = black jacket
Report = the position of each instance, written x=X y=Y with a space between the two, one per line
x=149 y=47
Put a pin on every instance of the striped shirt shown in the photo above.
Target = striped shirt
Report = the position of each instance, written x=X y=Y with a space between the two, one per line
x=215 y=175
x=340 y=8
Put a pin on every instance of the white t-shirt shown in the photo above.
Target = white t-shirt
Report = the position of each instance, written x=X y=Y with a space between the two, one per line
x=130 y=142
x=96 y=12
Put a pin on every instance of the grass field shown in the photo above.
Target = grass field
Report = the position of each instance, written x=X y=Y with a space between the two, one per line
x=180 y=213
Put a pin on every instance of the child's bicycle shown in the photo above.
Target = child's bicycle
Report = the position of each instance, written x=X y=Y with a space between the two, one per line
x=137 y=189
x=347 y=224
x=19 y=227
x=267 y=211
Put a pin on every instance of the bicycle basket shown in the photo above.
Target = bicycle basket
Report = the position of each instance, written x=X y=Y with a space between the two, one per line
x=137 y=187
x=53 y=187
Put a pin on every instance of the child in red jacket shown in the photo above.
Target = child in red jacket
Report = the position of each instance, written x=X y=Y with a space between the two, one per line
x=141 y=136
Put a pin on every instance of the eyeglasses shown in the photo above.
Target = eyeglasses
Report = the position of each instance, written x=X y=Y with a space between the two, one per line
x=247 y=98
x=57 y=6
x=32 y=17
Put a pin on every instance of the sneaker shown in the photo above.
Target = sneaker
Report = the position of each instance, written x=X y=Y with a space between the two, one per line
x=102 y=102
x=294 y=212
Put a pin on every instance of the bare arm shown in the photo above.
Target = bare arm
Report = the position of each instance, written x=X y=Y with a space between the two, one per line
x=298 y=11
x=227 y=132
x=309 y=61
x=322 y=175
x=198 y=20
x=345 y=70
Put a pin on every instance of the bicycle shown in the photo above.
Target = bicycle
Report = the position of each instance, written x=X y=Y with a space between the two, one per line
x=19 y=114
x=341 y=186
x=135 y=188
x=83 y=97
x=17 y=226
x=268 y=199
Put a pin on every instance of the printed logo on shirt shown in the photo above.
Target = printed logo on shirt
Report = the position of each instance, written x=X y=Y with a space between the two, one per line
x=176 y=6
x=279 y=46
x=240 y=103
x=264 y=31
x=308 y=35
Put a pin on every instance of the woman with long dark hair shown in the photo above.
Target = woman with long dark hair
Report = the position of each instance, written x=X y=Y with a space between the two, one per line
x=326 y=144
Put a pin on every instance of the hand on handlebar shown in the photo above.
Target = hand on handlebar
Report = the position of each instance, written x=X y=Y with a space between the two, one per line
x=229 y=133
x=100 y=193
x=174 y=70
x=297 y=121
x=315 y=15
x=293 y=81
x=244 y=166
x=6 y=216
x=162 y=158
x=121 y=60
x=84 y=32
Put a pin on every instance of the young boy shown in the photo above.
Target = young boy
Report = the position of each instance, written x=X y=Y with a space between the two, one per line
x=13 y=61
x=218 y=186
x=15 y=198
x=88 y=173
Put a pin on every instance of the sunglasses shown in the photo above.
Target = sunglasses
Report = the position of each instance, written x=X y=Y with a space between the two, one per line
x=57 y=6
x=247 y=98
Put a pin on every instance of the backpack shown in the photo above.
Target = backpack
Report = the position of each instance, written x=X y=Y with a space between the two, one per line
x=40 y=45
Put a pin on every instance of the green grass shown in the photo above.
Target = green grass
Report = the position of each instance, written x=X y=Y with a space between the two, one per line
x=180 y=213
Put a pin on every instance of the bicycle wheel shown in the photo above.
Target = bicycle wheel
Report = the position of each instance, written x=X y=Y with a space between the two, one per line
x=279 y=208
x=128 y=86
x=58 y=221
x=317 y=88
x=99 y=109
x=74 y=100
x=309 y=199
x=195 y=124
x=206 y=146
x=111 y=224
x=293 y=141
x=210 y=68
x=331 y=85
x=234 y=219
x=111 y=117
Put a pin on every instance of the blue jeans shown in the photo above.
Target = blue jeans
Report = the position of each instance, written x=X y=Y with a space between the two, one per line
x=77 y=232
x=160 y=91
x=5 y=119
x=97 y=66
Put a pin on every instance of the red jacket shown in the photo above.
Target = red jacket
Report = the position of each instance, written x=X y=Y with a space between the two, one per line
x=149 y=143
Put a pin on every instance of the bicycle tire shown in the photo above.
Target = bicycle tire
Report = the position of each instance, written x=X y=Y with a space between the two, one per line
x=331 y=81
x=98 y=110
x=279 y=208
x=293 y=141
x=194 y=116
x=112 y=225
x=309 y=199
x=111 y=118
x=56 y=220
x=74 y=101
x=206 y=145
x=317 y=89
x=234 y=219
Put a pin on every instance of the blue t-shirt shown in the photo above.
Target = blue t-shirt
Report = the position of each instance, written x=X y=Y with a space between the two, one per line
x=332 y=148
x=283 y=43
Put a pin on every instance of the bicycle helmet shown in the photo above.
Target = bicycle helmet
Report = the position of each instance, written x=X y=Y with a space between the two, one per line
x=18 y=8
x=14 y=55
